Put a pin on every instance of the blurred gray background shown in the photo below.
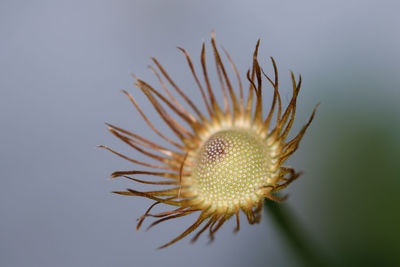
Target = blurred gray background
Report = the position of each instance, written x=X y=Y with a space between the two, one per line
x=63 y=63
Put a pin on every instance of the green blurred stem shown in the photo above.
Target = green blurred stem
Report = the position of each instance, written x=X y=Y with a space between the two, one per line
x=285 y=220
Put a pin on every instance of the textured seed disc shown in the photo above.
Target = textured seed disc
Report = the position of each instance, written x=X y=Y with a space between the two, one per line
x=230 y=167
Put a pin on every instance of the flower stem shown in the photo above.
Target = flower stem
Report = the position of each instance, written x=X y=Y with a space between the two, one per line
x=296 y=237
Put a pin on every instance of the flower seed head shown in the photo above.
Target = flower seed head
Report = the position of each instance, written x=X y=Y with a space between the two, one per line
x=221 y=164
x=231 y=167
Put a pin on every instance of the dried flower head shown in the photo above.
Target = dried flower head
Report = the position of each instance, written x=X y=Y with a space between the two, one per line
x=225 y=163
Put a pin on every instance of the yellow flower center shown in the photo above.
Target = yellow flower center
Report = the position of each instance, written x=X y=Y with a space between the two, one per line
x=231 y=166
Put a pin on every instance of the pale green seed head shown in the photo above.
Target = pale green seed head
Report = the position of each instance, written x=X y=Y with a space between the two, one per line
x=222 y=164
x=231 y=167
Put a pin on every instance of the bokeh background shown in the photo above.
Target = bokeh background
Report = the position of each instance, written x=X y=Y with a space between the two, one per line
x=63 y=63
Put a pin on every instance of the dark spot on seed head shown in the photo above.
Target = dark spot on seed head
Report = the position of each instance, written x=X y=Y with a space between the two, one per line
x=216 y=148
